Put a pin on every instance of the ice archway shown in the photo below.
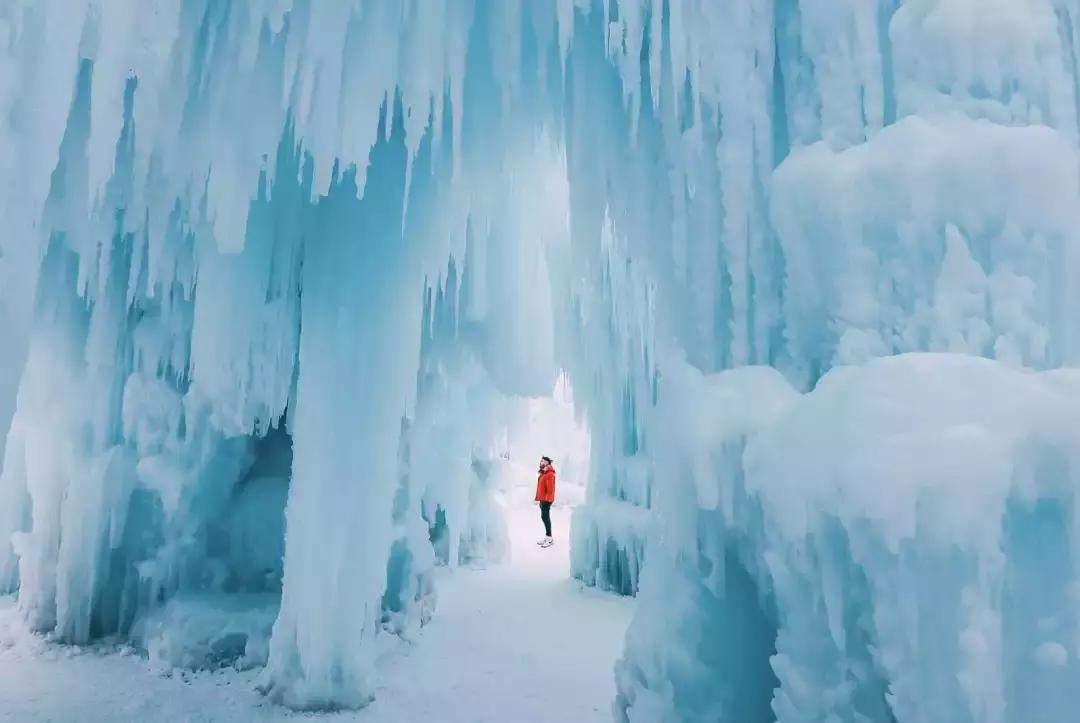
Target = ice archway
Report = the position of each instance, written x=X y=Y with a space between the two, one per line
x=365 y=224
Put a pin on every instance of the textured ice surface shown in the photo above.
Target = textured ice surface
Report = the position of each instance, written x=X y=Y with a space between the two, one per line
x=208 y=632
x=300 y=261
x=894 y=544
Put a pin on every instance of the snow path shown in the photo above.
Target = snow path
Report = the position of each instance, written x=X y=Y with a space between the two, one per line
x=517 y=642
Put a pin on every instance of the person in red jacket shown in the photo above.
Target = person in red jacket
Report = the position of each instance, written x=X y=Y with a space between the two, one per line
x=545 y=495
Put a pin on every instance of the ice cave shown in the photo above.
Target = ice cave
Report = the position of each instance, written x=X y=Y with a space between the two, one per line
x=292 y=293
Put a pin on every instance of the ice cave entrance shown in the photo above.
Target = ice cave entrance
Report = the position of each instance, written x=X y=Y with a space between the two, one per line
x=208 y=586
x=543 y=426
x=499 y=523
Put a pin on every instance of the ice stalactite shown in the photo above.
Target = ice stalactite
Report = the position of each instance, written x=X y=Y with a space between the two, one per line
x=353 y=386
x=451 y=388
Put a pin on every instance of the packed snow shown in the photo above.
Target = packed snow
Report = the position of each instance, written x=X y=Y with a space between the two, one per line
x=516 y=641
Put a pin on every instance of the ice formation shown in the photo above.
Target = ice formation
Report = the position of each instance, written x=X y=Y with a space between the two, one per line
x=274 y=276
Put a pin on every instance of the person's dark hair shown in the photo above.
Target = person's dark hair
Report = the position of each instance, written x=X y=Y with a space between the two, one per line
x=546 y=459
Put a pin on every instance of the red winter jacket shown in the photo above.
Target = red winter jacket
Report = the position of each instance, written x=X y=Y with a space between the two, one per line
x=545 y=485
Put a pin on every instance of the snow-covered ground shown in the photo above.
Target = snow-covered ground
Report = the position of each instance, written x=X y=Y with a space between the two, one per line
x=516 y=642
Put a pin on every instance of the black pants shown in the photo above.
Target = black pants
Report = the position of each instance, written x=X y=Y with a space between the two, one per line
x=545 y=516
